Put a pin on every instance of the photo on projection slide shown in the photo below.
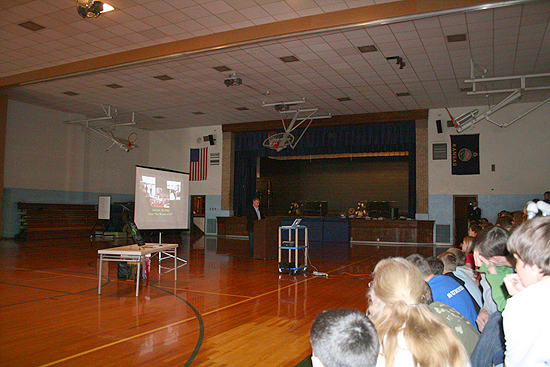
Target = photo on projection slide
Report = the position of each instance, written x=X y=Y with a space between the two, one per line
x=162 y=199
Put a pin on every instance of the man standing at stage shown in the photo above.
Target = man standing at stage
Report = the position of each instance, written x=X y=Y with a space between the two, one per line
x=253 y=214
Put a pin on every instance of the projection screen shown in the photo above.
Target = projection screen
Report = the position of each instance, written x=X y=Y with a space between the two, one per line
x=162 y=199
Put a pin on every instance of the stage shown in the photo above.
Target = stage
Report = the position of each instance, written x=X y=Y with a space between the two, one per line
x=327 y=229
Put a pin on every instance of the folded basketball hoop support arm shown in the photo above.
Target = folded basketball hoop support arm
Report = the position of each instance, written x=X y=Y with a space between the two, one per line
x=296 y=122
x=101 y=130
x=471 y=118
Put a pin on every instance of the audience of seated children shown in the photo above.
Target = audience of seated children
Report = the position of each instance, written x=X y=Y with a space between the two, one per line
x=464 y=330
x=526 y=316
x=449 y=261
x=343 y=338
x=445 y=289
x=494 y=263
x=410 y=334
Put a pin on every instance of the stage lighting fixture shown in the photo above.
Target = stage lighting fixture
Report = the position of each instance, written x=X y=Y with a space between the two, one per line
x=398 y=61
x=92 y=9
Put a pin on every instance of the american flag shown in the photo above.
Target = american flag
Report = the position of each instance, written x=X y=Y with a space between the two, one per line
x=198 y=164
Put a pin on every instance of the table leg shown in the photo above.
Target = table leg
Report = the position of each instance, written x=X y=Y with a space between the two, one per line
x=138 y=276
x=99 y=274
x=175 y=264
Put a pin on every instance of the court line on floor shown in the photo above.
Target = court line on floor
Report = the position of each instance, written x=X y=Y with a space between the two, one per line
x=201 y=328
x=214 y=293
x=31 y=287
x=51 y=290
x=186 y=320
x=57 y=272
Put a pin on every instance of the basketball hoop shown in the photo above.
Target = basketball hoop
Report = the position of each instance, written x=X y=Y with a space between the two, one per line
x=131 y=139
x=274 y=139
x=278 y=141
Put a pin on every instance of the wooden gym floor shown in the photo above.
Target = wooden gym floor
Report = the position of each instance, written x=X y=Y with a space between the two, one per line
x=225 y=309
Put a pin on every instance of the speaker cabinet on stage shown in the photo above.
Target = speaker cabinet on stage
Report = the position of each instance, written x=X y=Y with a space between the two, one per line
x=266 y=238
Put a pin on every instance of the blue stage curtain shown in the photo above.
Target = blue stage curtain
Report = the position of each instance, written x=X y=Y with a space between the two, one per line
x=370 y=138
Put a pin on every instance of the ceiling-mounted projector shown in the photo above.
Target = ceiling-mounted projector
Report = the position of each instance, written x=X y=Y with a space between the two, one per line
x=92 y=9
x=232 y=80
x=281 y=107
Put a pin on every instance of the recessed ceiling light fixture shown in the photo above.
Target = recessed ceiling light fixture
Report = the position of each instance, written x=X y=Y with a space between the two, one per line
x=158 y=117
x=114 y=86
x=163 y=77
x=242 y=108
x=70 y=93
x=369 y=48
x=456 y=38
x=403 y=94
x=344 y=99
x=31 y=26
x=289 y=58
x=221 y=68
x=92 y=9
x=198 y=113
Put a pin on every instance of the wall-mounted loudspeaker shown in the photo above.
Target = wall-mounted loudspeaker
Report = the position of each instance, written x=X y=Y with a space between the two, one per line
x=439 y=127
x=209 y=138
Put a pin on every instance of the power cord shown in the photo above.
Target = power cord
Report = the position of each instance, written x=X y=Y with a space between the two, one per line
x=316 y=271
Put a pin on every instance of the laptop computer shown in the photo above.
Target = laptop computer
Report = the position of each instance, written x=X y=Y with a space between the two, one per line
x=135 y=234
x=296 y=222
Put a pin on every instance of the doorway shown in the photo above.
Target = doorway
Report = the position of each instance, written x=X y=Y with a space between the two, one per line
x=461 y=204
x=197 y=214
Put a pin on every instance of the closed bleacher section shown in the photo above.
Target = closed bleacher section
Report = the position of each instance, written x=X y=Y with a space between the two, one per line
x=51 y=221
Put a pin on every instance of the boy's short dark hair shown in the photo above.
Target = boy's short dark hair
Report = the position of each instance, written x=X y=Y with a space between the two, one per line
x=492 y=242
x=531 y=243
x=504 y=222
x=420 y=262
x=460 y=256
x=448 y=260
x=344 y=338
x=436 y=265
x=475 y=227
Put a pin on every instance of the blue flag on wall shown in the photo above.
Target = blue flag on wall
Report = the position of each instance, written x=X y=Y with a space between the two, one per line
x=465 y=154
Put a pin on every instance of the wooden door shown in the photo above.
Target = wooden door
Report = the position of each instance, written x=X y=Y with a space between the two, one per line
x=461 y=217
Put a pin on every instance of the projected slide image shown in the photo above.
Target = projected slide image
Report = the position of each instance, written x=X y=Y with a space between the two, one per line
x=162 y=198
x=174 y=189
x=159 y=197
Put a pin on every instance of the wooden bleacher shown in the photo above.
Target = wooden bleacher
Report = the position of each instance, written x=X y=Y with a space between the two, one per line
x=51 y=221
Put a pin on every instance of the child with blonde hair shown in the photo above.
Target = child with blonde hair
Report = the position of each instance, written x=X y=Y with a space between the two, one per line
x=409 y=333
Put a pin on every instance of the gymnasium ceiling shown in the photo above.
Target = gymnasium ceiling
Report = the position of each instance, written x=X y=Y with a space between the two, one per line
x=121 y=58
